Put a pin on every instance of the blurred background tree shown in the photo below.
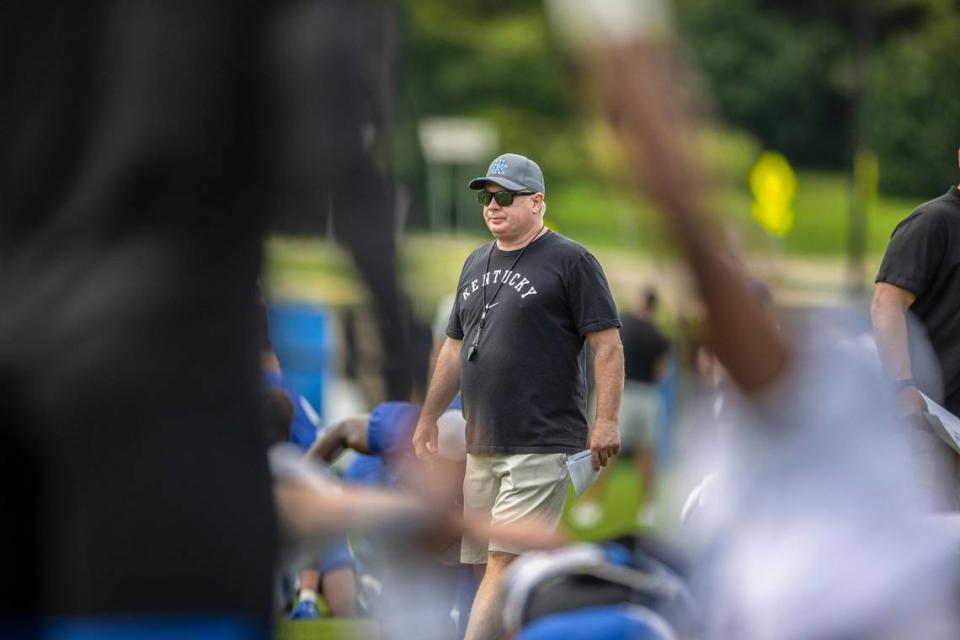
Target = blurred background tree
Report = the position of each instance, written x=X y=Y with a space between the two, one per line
x=781 y=75
x=495 y=62
x=783 y=71
x=775 y=71
x=915 y=101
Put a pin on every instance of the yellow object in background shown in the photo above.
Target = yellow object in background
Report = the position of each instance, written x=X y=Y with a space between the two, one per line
x=774 y=185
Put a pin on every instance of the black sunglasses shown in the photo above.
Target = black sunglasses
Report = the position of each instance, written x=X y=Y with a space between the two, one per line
x=503 y=198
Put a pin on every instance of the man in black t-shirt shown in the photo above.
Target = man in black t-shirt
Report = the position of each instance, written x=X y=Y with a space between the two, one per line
x=920 y=273
x=525 y=305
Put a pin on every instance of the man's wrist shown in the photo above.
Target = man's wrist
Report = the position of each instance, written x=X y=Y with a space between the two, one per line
x=429 y=420
x=605 y=423
x=426 y=422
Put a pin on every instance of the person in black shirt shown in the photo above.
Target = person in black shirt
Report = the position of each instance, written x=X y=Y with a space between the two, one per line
x=525 y=305
x=919 y=273
x=916 y=309
x=645 y=352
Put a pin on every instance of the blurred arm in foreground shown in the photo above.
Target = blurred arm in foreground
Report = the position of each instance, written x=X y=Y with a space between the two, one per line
x=311 y=506
x=634 y=73
x=820 y=508
x=427 y=500
x=643 y=89
x=349 y=433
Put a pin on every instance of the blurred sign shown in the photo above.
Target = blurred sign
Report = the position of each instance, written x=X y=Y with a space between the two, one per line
x=457 y=140
x=456 y=149
x=774 y=185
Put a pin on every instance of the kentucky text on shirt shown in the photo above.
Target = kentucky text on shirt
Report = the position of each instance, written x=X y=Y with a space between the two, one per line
x=512 y=279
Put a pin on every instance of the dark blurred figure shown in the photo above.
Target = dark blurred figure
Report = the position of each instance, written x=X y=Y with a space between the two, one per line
x=645 y=351
x=328 y=570
x=343 y=113
x=915 y=311
x=919 y=274
x=142 y=144
x=819 y=508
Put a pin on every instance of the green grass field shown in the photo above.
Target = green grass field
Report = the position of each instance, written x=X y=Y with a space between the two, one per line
x=605 y=218
x=326 y=630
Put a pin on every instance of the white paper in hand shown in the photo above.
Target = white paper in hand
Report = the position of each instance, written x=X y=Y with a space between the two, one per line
x=581 y=471
x=945 y=424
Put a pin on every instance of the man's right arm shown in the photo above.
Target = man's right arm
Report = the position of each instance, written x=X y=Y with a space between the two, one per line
x=888 y=315
x=444 y=385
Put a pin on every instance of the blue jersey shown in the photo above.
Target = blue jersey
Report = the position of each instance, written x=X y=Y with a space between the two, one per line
x=369 y=471
x=303 y=427
x=601 y=623
x=390 y=430
x=391 y=426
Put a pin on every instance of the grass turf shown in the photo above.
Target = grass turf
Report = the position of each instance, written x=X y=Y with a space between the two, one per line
x=326 y=629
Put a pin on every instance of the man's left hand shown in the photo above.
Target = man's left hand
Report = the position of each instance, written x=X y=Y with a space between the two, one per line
x=604 y=442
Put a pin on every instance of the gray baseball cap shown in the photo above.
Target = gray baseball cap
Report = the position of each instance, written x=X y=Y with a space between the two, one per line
x=512 y=172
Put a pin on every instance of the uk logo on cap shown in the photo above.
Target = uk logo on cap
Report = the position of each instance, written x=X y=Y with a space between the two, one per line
x=499 y=167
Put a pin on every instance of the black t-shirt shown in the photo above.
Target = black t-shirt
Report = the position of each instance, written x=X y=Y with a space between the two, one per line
x=923 y=257
x=643 y=346
x=524 y=391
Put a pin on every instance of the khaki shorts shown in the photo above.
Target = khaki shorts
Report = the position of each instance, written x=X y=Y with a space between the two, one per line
x=510 y=488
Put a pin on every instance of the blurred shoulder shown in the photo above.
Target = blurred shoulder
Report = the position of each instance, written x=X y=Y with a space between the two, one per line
x=933 y=214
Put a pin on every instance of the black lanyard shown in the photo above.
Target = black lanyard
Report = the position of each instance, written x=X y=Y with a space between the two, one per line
x=472 y=351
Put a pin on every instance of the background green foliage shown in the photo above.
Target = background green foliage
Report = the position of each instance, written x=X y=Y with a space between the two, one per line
x=773 y=74
x=779 y=74
x=785 y=71
x=915 y=107
x=493 y=61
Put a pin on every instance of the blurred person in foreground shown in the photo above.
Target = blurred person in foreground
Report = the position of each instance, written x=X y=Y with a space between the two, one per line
x=916 y=299
x=919 y=275
x=717 y=413
x=290 y=418
x=525 y=305
x=145 y=146
x=409 y=519
x=645 y=351
x=328 y=571
x=133 y=181
x=300 y=428
x=381 y=442
x=818 y=531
